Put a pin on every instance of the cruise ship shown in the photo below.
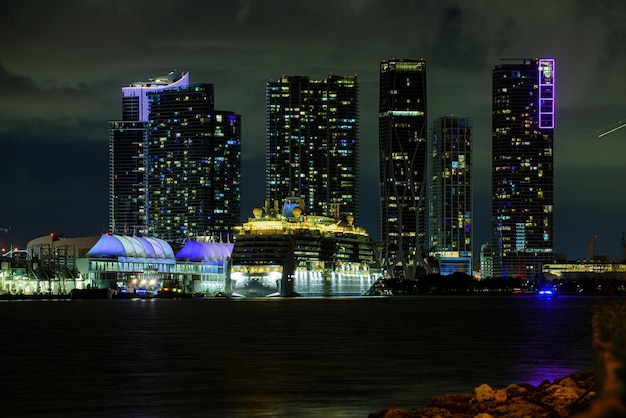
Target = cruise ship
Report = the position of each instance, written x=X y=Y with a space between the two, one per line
x=285 y=252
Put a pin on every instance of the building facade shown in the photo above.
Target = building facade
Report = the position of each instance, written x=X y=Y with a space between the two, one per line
x=128 y=142
x=451 y=198
x=312 y=148
x=194 y=159
x=523 y=166
x=486 y=261
x=403 y=153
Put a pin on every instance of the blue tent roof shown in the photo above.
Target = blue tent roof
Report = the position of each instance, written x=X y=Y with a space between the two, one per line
x=125 y=246
x=206 y=251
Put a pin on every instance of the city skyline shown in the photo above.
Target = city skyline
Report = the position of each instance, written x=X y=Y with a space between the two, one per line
x=53 y=116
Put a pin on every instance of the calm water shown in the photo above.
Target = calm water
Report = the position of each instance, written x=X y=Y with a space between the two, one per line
x=281 y=357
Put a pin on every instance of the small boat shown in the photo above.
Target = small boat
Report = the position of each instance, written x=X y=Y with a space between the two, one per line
x=171 y=289
x=135 y=294
x=545 y=294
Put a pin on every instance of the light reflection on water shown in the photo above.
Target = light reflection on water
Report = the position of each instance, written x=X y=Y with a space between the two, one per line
x=280 y=357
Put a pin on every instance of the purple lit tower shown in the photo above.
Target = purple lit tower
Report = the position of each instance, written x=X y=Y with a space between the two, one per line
x=127 y=153
x=523 y=120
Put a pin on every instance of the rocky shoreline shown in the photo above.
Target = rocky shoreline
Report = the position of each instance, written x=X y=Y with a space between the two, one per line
x=569 y=396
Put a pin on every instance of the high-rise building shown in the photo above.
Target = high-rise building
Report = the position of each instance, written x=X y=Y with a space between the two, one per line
x=312 y=148
x=451 y=198
x=128 y=141
x=523 y=166
x=403 y=151
x=486 y=261
x=194 y=159
x=180 y=162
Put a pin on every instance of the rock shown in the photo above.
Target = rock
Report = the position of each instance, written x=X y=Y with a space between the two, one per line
x=561 y=398
x=500 y=396
x=402 y=413
x=483 y=393
x=454 y=403
x=514 y=390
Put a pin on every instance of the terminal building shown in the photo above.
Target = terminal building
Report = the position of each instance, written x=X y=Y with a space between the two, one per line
x=128 y=264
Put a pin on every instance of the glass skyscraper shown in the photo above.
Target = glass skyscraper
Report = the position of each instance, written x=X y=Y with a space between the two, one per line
x=194 y=157
x=312 y=148
x=182 y=164
x=523 y=166
x=451 y=197
x=403 y=152
x=128 y=142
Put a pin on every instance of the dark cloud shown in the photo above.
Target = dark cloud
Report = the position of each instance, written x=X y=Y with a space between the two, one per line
x=455 y=46
x=23 y=100
x=13 y=84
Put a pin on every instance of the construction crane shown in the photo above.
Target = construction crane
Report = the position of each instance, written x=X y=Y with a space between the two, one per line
x=5 y=230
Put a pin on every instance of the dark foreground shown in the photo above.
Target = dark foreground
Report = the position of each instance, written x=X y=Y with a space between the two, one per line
x=563 y=397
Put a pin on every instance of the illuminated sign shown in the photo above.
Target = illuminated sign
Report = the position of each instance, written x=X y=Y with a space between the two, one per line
x=546 y=93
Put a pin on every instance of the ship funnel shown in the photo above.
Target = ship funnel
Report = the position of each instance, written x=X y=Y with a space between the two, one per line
x=290 y=204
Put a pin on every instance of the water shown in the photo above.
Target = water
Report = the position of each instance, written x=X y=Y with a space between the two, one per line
x=339 y=357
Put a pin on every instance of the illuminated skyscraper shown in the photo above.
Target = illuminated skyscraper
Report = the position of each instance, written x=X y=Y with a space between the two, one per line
x=194 y=156
x=180 y=162
x=312 y=147
x=128 y=141
x=523 y=166
x=403 y=151
x=450 y=198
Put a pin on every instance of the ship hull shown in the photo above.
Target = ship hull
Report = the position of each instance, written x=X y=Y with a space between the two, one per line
x=305 y=284
x=335 y=284
x=255 y=287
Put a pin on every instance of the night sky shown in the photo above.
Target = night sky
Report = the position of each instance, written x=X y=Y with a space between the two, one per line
x=63 y=64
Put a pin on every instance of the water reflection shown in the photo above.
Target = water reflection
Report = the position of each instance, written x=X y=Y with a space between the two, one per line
x=281 y=358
